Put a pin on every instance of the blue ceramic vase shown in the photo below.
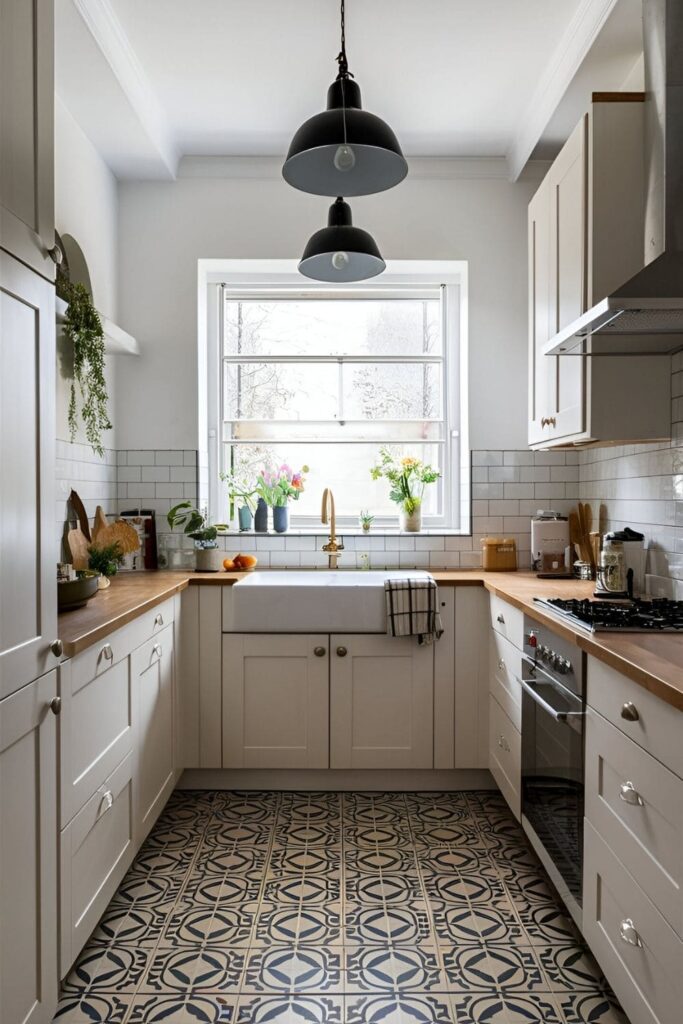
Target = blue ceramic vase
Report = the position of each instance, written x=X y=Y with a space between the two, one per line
x=261 y=517
x=281 y=518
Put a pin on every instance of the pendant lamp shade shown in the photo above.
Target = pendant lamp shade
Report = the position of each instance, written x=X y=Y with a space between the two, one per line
x=341 y=253
x=344 y=149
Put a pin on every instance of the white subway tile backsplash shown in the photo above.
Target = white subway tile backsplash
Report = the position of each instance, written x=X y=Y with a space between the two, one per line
x=156 y=474
x=170 y=458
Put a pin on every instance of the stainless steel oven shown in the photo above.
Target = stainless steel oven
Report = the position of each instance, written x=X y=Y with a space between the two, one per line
x=553 y=717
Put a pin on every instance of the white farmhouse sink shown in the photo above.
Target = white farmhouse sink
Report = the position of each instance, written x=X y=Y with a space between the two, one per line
x=341 y=601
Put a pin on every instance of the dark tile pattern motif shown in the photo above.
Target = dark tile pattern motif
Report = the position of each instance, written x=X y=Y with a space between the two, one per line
x=330 y=908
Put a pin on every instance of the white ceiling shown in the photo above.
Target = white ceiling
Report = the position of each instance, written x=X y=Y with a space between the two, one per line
x=169 y=78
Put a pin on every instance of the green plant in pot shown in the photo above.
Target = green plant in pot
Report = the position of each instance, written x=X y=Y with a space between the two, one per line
x=106 y=561
x=196 y=525
x=408 y=478
x=243 y=496
x=83 y=328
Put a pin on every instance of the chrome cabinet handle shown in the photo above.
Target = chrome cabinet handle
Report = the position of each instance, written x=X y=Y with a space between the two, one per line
x=107 y=652
x=55 y=254
x=501 y=664
x=158 y=620
x=629 y=711
x=55 y=705
x=319 y=652
x=503 y=743
x=342 y=652
x=107 y=800
x=630 y=795
x=628 y=933
x=57 y=648
x=500 y=618
x=157 y=650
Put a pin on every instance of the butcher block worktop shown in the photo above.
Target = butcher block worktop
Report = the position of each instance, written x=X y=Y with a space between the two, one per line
x=653 y=660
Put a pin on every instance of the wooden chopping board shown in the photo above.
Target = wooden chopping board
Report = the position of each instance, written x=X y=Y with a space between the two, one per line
x=78 y=537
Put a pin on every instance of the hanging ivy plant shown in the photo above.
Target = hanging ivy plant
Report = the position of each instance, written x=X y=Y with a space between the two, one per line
x=83 y=327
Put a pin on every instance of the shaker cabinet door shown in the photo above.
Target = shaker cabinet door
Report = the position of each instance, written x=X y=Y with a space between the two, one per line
x=28 y=537
x=26 y=130
x=28 y=854
x=381 y=702
x=152 y=667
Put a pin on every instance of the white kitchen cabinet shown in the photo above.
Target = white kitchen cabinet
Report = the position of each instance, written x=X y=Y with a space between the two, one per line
x=200 y=678
x=275 y=700
x=28 y=604
x=381 y=702
x=26 y=130
x=586 y=228
x=152 y=669
x=28 y=854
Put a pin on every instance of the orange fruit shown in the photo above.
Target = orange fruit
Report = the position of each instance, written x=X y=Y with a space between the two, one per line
x=229 y=564
x=248 y=561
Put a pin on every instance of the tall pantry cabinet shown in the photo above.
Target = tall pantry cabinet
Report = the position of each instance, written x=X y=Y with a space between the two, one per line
x=29 y=701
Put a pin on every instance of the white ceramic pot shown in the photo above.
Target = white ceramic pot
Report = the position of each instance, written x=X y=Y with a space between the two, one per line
x=411 y=522
x=209 y=559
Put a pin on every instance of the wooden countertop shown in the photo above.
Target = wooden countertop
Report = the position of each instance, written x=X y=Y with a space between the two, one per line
x=653 y=660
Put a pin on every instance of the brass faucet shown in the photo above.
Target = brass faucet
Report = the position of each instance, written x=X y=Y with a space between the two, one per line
x=328 y=516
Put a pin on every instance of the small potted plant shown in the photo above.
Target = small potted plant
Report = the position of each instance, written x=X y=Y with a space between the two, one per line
x=196 y=525
x=106 y=561
x=239 y=491
x=366 y=520
x=408 y=478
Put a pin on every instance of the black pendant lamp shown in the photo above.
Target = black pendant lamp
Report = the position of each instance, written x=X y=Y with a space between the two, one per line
x=340 y=252
x=344 y=150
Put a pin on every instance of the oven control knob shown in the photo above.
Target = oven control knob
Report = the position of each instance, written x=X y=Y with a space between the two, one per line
x=564 y=666
x=543 y=652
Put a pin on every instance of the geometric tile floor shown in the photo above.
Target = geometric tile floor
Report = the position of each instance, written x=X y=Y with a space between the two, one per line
x=336 y=908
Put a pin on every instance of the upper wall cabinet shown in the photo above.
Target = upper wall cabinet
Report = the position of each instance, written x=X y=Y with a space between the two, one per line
x=26 y=130
x=586 y=225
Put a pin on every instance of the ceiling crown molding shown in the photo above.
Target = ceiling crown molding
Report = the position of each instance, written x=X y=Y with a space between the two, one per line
x=565 y=62
x=107 y=31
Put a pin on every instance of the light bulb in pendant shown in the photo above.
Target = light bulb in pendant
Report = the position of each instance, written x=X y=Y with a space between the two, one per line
x=344 y=158
x=340 y=260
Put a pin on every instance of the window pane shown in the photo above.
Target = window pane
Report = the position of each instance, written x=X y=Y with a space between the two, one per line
x=380 y=431
x=343 y=467
x=379 y=391
x=280 y=391
x=332 y=327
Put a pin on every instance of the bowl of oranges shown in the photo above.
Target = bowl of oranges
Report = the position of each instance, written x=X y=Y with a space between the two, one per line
x=240 y=563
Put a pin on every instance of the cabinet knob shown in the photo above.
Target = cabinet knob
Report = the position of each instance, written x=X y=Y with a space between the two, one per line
x=629 y=711
x=158 y=620
x=342 y=652
x=56 y=705
x=501 y=664
x=157 y=650
x=57 y=648
x=107 y=652
x=500 y=618
x=628 y=933
x=319 y=652
x=630 y=795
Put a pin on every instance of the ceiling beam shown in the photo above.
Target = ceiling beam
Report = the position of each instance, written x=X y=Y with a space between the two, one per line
x=110 y=36
x=563 y=65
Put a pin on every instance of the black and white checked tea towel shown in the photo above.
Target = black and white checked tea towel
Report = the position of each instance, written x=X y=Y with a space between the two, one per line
x=413 y=608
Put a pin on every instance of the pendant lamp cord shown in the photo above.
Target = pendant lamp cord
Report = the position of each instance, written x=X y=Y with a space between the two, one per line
x=344 y=72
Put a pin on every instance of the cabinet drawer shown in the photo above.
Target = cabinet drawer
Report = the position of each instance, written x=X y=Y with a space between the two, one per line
x=657 y=727
x=646 y=976
x=96 y=731
x=507 y=620
x=505 y=755
x=636 y=804
x=95 y=852
x=505 y=670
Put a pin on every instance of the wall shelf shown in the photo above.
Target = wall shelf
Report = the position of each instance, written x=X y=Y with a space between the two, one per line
x=117 y=342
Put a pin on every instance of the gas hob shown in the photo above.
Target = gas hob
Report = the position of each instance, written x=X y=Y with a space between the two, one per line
x=659 y=615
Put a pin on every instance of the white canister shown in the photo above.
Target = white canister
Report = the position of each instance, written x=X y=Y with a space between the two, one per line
x=549 y=541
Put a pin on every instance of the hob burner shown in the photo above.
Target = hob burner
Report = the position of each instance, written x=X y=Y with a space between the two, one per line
x=638 y=616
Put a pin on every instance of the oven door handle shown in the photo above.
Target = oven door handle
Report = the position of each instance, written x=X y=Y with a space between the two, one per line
x=559 y=716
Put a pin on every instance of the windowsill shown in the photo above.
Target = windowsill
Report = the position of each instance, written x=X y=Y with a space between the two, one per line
x=355 y=531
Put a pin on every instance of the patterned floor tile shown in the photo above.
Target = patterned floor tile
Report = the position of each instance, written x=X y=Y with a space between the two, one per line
x=548 y=924
x=95 y=1008
x=294 y=969
x=183 y=1009
x=383 y=888
x=457 y=860
x=246 y=807
x=132 y=926
x=315 y=926
x=377 y=837
x=118 y=969
x=276 y=1008
x=240 y=860
x=310 y=807
x=393 y=968
x=475 y=889
x=570 y=969
x=407 y=925
x=461 y=923
x=194 y=969
x=495 y=1008
x=398 y=1008
x=298 y=834
x=235 y=834
x=373 y=861
x=591 y=1009
x=458 y=834
x=308 y=861
x=374 y=809
x=305 y=890
x=170 y=836
x=230 y=926
x=209 y=890
x=484 y=968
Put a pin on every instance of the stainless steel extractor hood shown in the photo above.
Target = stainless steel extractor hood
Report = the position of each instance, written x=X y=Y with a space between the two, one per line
x=645 y=315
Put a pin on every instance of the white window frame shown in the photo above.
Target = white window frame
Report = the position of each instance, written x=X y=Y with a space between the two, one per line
x=259 y=278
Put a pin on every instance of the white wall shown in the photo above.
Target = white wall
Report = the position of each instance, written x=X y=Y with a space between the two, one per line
x=164 y=228
x=86 y=207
